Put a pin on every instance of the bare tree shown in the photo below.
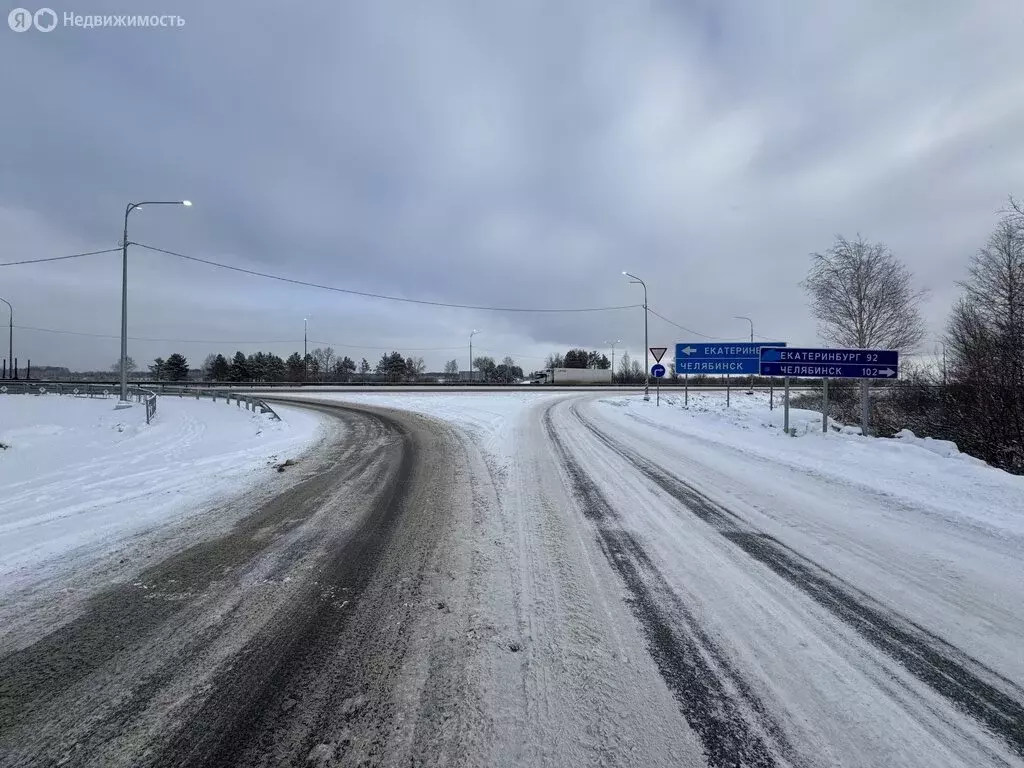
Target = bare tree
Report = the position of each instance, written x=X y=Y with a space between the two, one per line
x=985 y=337
x=208 y=365
x=636 y=370
x=556 y=360
x=451 y=368
x=862 y=296
x=128 y=362
x=323 y=359
x=624 y=366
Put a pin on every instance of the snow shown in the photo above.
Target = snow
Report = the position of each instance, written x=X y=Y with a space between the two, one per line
x=488 y=416
x=934 y=539
x=78 y=474
x=940 y=537
x=922 y=472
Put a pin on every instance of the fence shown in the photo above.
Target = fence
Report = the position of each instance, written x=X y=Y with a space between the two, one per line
x=139 y=394
x=251 y=403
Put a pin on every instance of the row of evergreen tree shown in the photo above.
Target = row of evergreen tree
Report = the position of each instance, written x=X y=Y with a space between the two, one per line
x=324 y=365
x=321 y=365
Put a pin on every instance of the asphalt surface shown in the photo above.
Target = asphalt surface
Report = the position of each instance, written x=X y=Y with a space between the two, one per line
x=273 y=645
x=412 y=600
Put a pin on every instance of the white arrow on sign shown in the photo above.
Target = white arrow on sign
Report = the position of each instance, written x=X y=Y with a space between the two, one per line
x=688 y=350
x=887 y=372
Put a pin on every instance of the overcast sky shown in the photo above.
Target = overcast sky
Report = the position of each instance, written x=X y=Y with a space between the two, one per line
x=514 y=154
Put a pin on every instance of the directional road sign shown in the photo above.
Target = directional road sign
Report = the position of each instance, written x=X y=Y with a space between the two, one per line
x=657 y=371
x=831 y=363
x=720 y=357
x=658 y=352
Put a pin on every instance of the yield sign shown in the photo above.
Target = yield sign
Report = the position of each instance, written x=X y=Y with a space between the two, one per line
x=658 y=352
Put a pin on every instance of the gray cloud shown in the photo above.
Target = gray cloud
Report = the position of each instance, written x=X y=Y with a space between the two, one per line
x=512 y=154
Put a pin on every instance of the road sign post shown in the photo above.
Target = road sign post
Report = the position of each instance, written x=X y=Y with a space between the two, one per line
x=785 y=399
x=657 y=371
x=825 y=363
x=824 y=405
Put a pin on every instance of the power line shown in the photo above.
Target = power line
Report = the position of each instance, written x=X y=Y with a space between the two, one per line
x=684 y=328
x=512 y=354
x=366 y=294
x=58 y=258
x=234 y=341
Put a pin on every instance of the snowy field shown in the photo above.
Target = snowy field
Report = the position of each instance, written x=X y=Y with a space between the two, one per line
x=78 y=476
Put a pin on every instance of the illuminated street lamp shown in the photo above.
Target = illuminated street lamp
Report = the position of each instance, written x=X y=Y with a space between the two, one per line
x=124 y=289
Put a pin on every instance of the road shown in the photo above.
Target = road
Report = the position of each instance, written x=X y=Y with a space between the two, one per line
x=582 y=596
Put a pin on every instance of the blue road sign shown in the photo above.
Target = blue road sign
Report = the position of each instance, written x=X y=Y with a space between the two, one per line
x=658 y=370
x=831 y=363
x=722 y=357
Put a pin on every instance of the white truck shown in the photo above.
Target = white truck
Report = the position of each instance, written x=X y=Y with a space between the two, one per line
x=557 y=376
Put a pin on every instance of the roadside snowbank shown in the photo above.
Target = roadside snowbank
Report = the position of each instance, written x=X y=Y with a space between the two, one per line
x=918 y=471
x=77 y=472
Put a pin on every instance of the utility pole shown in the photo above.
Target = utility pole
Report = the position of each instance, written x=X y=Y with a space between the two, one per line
x=305 y=349
x=10 y=338
x=647 y=349
x=471 y=376
x=124 y=290
x=613 y=343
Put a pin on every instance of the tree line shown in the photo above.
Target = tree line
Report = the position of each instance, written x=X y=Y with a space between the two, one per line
x=628 y=370
x=321 y=365
x=973 y=395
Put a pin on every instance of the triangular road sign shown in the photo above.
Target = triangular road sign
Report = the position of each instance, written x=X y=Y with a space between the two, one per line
x=658 y=352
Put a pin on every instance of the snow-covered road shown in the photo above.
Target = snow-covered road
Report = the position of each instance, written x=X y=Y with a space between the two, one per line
x=560 y=579
x=818 y=600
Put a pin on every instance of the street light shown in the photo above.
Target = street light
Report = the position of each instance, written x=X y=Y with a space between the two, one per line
x=10 y=341
x=741 y=317
x=124 y=287
x=305 y=348
x=647 y=367
x=471 y=353
x=613 y=343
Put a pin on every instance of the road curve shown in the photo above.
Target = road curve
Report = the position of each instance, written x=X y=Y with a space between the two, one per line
x=559 y=592
x=224 y=654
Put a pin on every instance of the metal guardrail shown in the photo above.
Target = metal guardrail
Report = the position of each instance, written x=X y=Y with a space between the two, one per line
x=103 y=391
x=146 y=396
x=251 y=403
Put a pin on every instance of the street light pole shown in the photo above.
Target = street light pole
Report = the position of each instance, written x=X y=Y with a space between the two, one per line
x=613 y=343
x=471 y=353
x=124 y=288
x=10 y=340
x=305 y=349
x=647 y=367
x=741 y=317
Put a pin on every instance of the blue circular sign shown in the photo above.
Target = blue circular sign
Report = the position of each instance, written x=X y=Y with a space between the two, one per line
x=658 y=370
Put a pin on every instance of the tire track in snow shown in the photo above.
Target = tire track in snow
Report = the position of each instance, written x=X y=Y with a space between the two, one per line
x=935 y=662
x=719 y=706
